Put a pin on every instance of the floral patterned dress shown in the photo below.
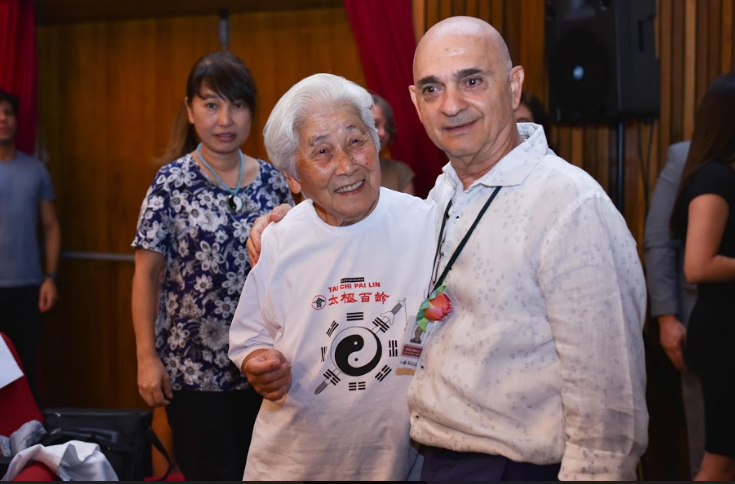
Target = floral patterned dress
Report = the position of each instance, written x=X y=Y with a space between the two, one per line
x=184 y=217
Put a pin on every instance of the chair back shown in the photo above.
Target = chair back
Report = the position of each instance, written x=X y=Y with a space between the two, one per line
x=17 y=405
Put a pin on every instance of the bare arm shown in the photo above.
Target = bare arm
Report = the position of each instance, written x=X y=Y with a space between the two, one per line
x=52 y=236
x=707 y=219
x=153 y=380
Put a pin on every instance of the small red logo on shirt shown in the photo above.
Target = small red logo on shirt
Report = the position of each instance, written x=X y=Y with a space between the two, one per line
x=319 y=302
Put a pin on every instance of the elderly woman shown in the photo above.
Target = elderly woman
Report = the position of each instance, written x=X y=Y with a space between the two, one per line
x=323 y=315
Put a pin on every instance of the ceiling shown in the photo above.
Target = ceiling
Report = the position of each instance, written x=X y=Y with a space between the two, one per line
x=49 y=12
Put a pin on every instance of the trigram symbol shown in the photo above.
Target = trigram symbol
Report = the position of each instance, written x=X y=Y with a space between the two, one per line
x=357 y=386
x=332 y=328
x=355 y=316
x=324 y=353
x=392 y=348
x=383 y=373
x=382 y=325
x=329 y=375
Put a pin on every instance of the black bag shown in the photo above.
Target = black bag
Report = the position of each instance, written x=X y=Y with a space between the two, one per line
x=124 y=436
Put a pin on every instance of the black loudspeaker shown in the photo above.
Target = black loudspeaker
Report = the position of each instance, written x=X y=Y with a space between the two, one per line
x=601 y=59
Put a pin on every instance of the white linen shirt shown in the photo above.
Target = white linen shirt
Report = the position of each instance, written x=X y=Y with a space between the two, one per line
x=542 y=360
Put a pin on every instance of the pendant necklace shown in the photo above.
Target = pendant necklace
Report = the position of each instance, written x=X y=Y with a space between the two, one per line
x=234 y=203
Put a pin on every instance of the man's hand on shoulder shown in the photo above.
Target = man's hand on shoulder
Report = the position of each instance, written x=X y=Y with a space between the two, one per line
x=253 y=245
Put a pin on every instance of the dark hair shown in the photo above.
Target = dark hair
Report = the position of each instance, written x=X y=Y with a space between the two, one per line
x=713 y=138
x=390 y=122
x=225 y=74
x=10 y=98
x=538 y=110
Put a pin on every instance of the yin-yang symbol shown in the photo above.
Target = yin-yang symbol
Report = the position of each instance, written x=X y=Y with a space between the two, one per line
x=356 y=351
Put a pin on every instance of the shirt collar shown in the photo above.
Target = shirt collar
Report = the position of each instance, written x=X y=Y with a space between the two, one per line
x=514 y=167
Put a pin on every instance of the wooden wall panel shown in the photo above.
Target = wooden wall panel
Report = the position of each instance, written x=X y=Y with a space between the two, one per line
x=109 y=92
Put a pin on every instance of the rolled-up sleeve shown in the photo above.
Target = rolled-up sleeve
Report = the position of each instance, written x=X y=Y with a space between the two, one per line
x=593 y=283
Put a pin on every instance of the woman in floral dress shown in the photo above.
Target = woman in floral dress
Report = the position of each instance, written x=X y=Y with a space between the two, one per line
x=190 y=267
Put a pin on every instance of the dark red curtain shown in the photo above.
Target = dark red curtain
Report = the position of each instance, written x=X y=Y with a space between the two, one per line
x=384 y=35
x=18 y=65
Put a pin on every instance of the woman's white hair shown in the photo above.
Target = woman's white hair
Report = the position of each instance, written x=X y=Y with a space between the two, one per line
x=281 y=132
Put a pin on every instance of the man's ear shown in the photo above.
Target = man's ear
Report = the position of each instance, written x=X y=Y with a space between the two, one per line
x=293 y=183
x=516 y=85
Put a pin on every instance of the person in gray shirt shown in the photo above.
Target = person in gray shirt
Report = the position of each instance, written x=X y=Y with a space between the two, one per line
x=672 y=297
x=26 y=194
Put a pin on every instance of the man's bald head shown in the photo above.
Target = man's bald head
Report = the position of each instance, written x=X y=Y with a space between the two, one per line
x=466 y=91
x=465 y=27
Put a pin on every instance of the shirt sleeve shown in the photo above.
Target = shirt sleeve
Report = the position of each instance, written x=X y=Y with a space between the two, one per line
x=252 y=328
x=660 y=249
x=47 y=185
x=154 y=222
x=713 y=178
x=593 y=284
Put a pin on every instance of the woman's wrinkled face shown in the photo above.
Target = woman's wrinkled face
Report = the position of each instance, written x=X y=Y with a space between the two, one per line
x=337 y=165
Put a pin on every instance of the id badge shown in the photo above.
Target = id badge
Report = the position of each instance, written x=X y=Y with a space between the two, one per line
x=434 y=310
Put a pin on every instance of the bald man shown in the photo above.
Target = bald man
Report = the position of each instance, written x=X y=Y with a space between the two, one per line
x=539 y=372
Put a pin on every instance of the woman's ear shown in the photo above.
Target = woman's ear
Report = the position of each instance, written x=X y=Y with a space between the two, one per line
x=293 y=183
x=188 y=110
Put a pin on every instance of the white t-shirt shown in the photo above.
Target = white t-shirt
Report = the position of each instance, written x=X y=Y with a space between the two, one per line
x=336 y=302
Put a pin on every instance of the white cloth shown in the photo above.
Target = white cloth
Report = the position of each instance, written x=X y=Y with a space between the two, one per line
x=9 y=369
x=315 y=290
x=71 y=461
x=543 y=361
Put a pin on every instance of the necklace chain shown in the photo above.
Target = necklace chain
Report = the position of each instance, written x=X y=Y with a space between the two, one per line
x=222 y=184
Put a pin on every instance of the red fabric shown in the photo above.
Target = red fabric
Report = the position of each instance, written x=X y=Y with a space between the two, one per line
x=174 y=476
x=35 y=471
x=18 y=65
x=17 y=405
x=384 y=36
